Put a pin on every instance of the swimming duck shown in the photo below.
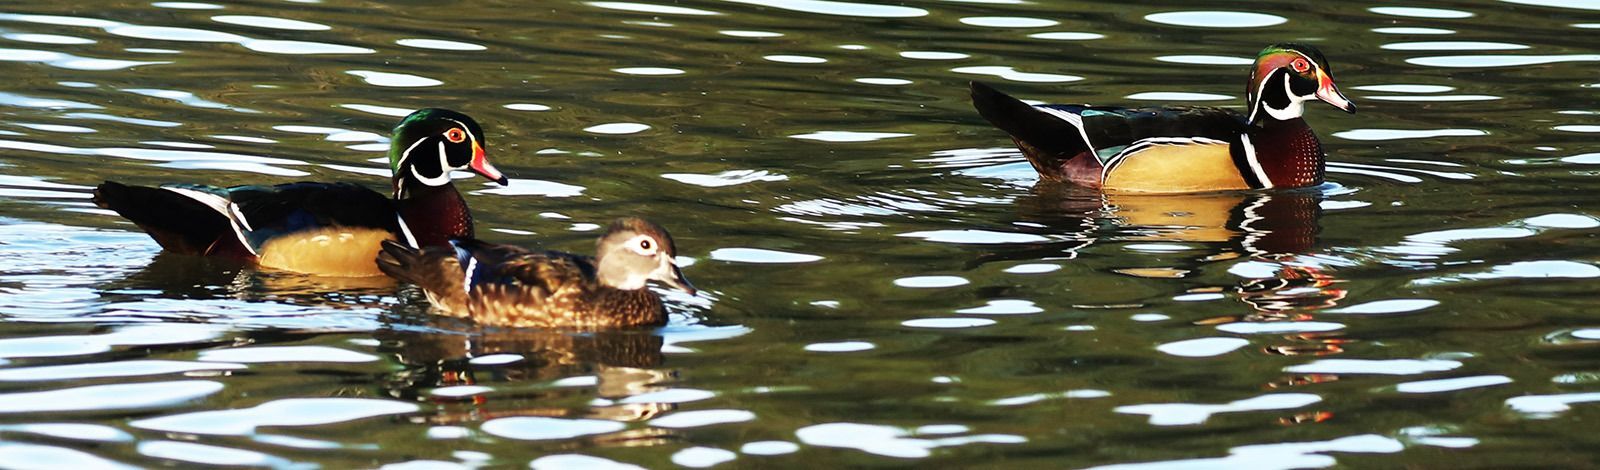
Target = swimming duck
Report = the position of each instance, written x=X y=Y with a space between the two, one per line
x=504 y=285
x=322 y=228
x=1181 y=149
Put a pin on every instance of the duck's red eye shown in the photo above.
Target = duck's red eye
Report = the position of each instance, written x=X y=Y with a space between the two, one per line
x=455 y=134
x=644 y=245
x=1300 y=65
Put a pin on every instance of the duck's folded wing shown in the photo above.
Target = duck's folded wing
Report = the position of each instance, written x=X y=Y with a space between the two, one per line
x=1111 y=130
x=519 y=272
x=273 y=211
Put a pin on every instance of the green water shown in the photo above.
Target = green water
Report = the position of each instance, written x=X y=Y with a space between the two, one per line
x=883 y=284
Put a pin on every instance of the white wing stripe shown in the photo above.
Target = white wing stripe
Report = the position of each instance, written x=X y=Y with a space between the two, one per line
x=1075 y=120
x=223 y=206
x=1141 y=144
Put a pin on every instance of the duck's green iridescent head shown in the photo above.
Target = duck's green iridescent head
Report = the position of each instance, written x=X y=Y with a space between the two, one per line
x=430 y=143
x=1285 y=76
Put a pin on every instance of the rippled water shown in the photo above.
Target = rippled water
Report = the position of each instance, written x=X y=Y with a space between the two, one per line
x=883 y=282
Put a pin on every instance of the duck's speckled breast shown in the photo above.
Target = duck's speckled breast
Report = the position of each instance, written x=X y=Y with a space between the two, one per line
x=1290 y=154
x=436 y=215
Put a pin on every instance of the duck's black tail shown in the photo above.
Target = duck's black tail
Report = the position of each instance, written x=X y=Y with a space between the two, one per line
x=181 y=223
x=1048 y=139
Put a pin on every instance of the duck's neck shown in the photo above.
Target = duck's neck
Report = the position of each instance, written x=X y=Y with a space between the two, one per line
x=1287 y=152
x=436 y=214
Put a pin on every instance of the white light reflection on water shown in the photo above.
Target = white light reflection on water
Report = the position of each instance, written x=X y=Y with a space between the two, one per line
x=290 y=412
x=618 y=128
x=1452 y=46
x=578 y=461
x=840 y=347
x=108 y=397
x=699 y=418
x=702 y=457
x=975 y=237
x=1216 y=19
x=1285 y=455
x=1010 y=73
x=726 y=178
x=74 y=431
x=1399 y=134
x=649 y=71
x=70 y=61
x=1180 y=414
x=530 y=187
x=394 y=80
x=795 y=59
x=57 y=457
x=440 y=44
x=1067 y=36
x=769 y=448
x=133 y=368
x=1415 y=12
x=761 y=256
x=651 y=8
x=207 y=454
x=133 y=335
x=47 y=38
x=1374 y=366
x=828 y=7
x=1004 y=307
x=1008 y=22
x=1384 y=307
x=1452 y=384
x=270 y=22
x=538 y=428
x=889 y=441
x=930 y=282
x=286 y=354
x=1548 y=406
x=948 y=323
x=1203 y=347
x=848 y=136
x=1543 y=269
x=1496 y=61
x=933 y=55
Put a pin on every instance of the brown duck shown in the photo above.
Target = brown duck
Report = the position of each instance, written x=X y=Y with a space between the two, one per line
x=504 y=285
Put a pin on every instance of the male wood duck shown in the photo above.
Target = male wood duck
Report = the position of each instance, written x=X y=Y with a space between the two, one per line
x=1181 y=149
x=504 y=285
x=328 y=229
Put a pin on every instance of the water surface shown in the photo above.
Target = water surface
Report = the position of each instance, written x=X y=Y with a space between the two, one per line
x=884 y=283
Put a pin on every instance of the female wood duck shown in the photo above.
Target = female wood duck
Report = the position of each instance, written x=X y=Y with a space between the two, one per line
x=321 y=228
x=1181 y=149
x=503 y=285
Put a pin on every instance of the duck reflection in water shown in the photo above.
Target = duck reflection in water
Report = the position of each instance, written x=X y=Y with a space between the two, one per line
x=182 y=276
x=530 y=372
x=1229 y=224
x=1277 y=229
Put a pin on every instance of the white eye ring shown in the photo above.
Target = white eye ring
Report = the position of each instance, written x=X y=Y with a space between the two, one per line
x=643 y=245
